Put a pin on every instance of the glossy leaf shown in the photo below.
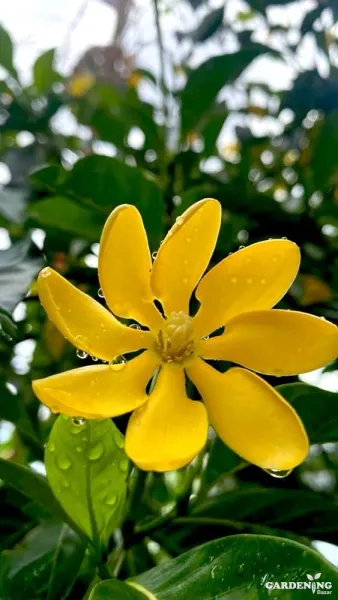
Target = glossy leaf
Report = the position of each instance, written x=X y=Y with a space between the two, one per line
x=87 y=471
x=17 y=271
x=237 y=567
x=117 y=590
x=44 y=564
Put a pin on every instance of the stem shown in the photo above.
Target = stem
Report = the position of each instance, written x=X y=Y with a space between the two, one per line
x=161 y=53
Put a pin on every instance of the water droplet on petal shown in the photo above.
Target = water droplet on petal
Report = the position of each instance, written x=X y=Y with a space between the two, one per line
x=323 y=318
x=278 y=474
x=154 y=255
x=185 y=280
x=234 y=279
x=135 y=326
x=79 y=421
x=206 y=337
x=94 y=358
x=51 y=446
x=263 y=281
x=118 y=363
x=275 y=259
x=46 y=272
x=284 y=238
x=100 y=293
x=188 y=240
x=96 y=452
x=124 y=464
x=249 y=280
x=241 y=247
x=63 y=463
x=111 y=500
x=179 y=220
x=81 y=354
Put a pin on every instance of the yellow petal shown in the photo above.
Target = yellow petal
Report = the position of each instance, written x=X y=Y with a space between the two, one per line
x=124 y=267
x=254 y=278
x=275 y=342
x=168 y=431
x=185 y=254
x=98 y=391
x=84 y=322
x=251 y=417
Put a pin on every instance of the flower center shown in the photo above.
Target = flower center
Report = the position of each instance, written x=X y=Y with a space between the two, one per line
x=176 y=340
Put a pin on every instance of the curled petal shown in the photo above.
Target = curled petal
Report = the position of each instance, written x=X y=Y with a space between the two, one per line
x=99 y=391
x=170 y=430
x=251 y=417
x=84 y=322
x=185 y=254
x=254 y=278
x=124 y=267
x=275 y=342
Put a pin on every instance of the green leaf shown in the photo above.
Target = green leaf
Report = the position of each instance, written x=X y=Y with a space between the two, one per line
x=221 y=462
x=117 y=590
x=207 y=28
x=106 y=182
x=44 y=564
x=325 y=148
x=236 y=568
x=13 y=409
x=6 y=52
x=44 y=73
x=87 y=471
x=17 y=271
x=317 y=408
x=8 y=329
x=48 y=176
x=33 y=486
x=207 y=80
x=61 y=213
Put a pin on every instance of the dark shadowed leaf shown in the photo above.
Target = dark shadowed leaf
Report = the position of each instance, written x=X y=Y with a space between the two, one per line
x=44 y=564
x=61 y=213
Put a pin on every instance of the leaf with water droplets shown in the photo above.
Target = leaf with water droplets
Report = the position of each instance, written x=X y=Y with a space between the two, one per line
x=87 y=470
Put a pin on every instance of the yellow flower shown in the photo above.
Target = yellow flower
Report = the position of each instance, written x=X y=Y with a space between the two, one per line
x=167 y=429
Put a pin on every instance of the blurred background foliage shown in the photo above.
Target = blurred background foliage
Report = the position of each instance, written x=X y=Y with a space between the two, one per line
x=202 y=116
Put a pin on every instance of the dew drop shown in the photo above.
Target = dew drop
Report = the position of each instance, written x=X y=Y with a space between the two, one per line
x=96 y=452
x=118 y=363
x=188 y=240
x=124 y=464
x=206 y=337
x=179 y=220
x=94 y=358
x=278 y=474
x=81 y=354
x=154 y=255
x=185 y=262
x=65 y=483
x=63 y=463
x=278 y=373
x=119 y=440
x=100 y=293
x=135 y=326
x=78 y=448
x=249 y=280
x=78 y=421
x=275 y=259
x=185 y=280
x=240 y=569
x=323 y=318
x=46 y=272
x=111 y=500
x=241 y=247
x=284 y=238
x=51 y=447
x=263 y=281
x=234 y=279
